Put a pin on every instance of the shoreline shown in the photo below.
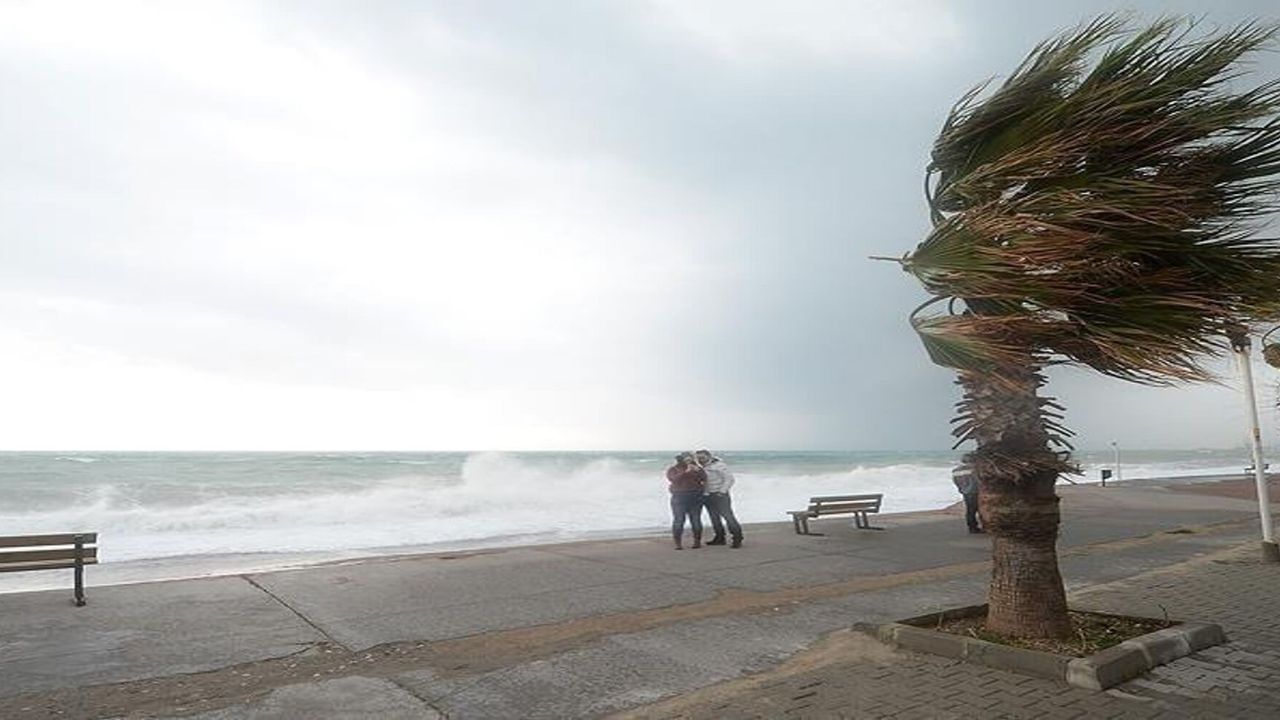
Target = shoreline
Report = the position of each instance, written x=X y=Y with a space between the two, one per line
x=213 y=565
x=197 y=566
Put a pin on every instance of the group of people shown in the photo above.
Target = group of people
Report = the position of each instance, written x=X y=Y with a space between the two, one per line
x=696 y=481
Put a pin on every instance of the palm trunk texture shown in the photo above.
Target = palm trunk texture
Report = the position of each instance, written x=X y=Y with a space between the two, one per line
x=1017 y=472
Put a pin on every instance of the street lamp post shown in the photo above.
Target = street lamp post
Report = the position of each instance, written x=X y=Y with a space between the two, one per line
x=1115 y=448
x=1270 y=551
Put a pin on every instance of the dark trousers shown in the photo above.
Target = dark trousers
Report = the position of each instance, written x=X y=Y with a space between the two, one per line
x=686 y=504
x=971 y=510
x=720 y=509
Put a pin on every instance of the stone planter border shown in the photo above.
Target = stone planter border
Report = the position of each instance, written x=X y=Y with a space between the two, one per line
x=1099 y=671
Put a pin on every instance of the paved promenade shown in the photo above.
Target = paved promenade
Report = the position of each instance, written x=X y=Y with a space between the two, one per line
x=632 y=628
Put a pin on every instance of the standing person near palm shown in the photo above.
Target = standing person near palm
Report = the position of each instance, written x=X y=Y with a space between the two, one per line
x=686 y=481
x=967 y=483
x=719 y=505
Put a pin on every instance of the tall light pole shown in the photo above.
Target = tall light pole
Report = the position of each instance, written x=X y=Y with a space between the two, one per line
x=1270 y=551
x=1116 y=449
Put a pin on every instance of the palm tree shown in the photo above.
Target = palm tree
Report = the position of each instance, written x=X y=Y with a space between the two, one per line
x=1098 y=208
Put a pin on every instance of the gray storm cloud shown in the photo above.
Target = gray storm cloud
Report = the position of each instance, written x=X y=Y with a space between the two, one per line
x=497 y=225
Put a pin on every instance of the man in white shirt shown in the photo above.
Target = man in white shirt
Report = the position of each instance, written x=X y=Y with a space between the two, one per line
x=719 y=505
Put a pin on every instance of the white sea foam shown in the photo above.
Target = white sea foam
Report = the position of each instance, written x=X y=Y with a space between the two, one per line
x=1091 y=471
x=353 y=503
x=494 y=495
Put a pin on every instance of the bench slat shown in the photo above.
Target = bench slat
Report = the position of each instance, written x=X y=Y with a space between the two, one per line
x=18 y=556
x=841 y=498
x=841 y=508
x=42 y=565
x=39 y=540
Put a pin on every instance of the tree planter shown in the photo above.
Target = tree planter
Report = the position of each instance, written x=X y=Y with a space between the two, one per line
x=1099 y=671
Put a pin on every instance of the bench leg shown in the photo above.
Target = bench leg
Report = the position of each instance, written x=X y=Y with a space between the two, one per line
x=79 y=572
x=863 y=521
x=801 y=524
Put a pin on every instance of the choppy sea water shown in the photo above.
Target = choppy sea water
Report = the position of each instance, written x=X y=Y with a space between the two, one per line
x=152 y=506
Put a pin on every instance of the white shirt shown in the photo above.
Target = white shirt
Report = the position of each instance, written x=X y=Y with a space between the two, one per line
x=719 y=479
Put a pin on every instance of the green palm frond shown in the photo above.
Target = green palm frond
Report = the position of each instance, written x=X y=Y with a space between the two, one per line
x=1100 y=206
x=980 y=130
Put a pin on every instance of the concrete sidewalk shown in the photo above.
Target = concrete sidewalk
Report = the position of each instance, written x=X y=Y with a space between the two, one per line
x=575 y=630
x=849 y=675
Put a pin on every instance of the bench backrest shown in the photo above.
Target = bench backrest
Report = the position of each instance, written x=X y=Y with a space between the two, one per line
x=47 y=552
x=832 y=504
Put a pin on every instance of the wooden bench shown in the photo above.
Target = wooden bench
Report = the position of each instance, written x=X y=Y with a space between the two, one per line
x=859 y=506
x=50 y=552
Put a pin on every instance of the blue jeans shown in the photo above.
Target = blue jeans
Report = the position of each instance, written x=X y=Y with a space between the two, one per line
x=686 y=504
x=971 y=511
x=720 y=509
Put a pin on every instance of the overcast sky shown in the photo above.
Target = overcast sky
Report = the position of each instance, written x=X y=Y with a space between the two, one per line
x=498 y=225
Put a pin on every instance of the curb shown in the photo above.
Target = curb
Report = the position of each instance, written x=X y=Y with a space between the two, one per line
x=1099 y=671
x=1134 y=657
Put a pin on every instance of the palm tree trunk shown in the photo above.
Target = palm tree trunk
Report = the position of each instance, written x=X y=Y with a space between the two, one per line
x=1017 y=472
x=1026 y=597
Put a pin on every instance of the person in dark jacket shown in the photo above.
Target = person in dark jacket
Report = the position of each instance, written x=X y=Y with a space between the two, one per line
x=686 y=481
x=967 y=483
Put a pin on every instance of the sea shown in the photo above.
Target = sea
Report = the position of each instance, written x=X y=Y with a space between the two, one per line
x=162 y=515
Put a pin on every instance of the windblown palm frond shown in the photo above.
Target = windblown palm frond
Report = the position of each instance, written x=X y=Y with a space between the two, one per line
x=1100 y=206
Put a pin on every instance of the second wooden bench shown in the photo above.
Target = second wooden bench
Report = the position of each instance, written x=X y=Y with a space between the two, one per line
x=859 y=506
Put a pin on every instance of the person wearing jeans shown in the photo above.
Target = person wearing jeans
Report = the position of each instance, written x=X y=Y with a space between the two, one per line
x=686 y=481
x=719 y=504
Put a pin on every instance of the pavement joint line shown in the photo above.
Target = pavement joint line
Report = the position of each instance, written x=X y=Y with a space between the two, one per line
x=472 y=682
x=294 y=610
x=417 y=695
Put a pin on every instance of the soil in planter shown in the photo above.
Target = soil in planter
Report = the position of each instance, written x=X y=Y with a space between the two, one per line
x=1093 y=633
